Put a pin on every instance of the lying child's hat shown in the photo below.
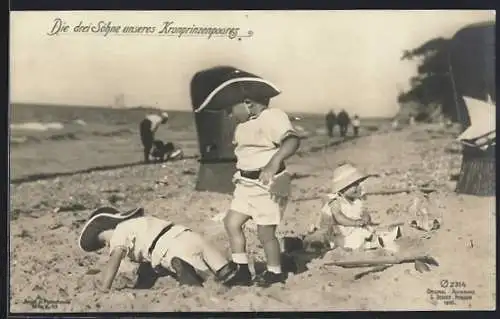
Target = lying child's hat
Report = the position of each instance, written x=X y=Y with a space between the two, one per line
x=219 y=87
x=102 y=219
x=345 y=175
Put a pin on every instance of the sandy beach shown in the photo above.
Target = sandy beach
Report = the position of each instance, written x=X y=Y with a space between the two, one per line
x=48 y=272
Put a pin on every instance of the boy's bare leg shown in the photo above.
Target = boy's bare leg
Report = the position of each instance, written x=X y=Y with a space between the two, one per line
x=267 y=237
x=274 y=273
x=233 y=222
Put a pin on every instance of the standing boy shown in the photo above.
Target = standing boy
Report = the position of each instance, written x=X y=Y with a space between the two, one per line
x=264 y=138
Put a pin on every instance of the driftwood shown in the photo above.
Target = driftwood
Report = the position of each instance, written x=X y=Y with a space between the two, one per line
x=421 y=266
x=424 y=190
x=383 y=261
x=372 y=270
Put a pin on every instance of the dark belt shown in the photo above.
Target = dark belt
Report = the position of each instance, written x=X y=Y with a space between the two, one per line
x=163 y=232
x=256 y=174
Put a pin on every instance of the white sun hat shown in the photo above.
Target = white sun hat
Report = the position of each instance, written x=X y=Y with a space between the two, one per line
x=346 y=175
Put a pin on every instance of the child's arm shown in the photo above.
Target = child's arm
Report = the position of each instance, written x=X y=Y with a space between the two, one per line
x=343 y=220
x=112 y=267
x=288 y=147
x=278 y=128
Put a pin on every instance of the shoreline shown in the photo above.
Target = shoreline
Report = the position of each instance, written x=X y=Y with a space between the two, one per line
x=193 y=156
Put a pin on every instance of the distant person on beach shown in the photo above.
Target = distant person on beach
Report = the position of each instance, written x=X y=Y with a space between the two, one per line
x=412 y=119
x=148 y=128
x=162 y=244
x=343 y=219
x=264 y=138
x=343 y=120
x=395 y=124
x=356 y=123
x=330 y=120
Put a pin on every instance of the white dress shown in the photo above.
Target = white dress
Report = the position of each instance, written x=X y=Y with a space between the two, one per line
x=354 y=237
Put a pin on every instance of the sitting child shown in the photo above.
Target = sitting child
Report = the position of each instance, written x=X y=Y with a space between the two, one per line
x=342 y=218
x=149 y=239
x=165 y=151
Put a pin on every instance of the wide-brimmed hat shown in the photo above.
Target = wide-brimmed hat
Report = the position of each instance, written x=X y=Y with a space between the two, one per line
x=221 y=87
x=345 y=175
x=103 y=218
x=164 y=115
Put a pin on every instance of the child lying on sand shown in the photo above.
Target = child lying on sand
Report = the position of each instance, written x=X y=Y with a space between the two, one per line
x=149 y=239
x=342 y=219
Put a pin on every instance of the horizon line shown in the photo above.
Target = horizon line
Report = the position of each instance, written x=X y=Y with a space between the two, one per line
x=150 y=107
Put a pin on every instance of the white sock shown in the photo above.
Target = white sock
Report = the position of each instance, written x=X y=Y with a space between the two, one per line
x=240 y=258
x=274 y=269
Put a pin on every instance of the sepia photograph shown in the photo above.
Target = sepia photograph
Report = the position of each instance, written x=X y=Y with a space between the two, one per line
x=149 y=150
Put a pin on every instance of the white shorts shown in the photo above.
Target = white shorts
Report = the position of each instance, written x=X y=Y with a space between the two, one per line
x=256 y=202
x=195 y=250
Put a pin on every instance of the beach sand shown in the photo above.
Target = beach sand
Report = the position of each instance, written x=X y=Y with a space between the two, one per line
x=49 y=271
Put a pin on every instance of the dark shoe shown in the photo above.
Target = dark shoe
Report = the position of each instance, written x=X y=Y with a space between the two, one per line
x=267 y=278
x=185 y=273
x=227 y=272
x=235 y=275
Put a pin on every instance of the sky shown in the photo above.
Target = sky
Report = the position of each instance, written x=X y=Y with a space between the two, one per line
x=320 y=60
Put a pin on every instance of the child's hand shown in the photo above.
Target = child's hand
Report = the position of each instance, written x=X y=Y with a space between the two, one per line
x=366 y=218
x=268 y=172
